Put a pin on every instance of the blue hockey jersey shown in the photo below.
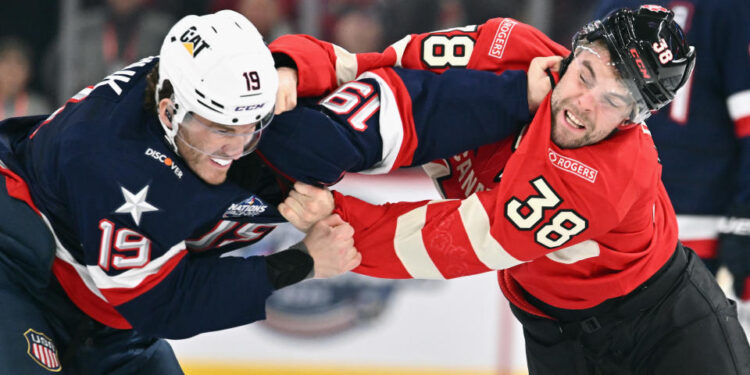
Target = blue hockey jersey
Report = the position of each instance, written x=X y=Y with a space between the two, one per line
x=703 y=136
x=139 y=235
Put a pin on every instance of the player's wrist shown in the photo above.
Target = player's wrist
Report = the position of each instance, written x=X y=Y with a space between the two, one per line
x=290 y=266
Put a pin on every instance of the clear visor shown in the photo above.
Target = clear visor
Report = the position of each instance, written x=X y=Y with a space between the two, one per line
x=221 y=141
x=601 y=79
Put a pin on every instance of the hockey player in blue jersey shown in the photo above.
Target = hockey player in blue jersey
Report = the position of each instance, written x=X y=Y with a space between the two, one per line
x=703 y=138
x=132 y=198
x=117 y=208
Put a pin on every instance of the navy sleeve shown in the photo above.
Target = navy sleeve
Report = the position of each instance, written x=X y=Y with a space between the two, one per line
x=461 y=109
x=305 y=144
x=439 y=115
x=203 y=293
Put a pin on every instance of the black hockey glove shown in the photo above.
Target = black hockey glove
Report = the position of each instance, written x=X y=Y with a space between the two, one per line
x=734 y=248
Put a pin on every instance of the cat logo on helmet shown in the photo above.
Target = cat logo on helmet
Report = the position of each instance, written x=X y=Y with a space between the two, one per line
x=193 y=42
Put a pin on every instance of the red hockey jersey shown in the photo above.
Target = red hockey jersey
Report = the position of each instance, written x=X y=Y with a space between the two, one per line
x=572 y=227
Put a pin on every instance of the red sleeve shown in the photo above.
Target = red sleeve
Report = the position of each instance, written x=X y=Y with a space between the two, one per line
x=315 y=61
x=323 y=66
x=499 y=44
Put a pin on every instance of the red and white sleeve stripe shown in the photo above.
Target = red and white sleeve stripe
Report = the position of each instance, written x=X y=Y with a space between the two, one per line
x=430 y=240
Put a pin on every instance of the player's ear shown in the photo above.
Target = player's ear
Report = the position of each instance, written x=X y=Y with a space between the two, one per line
x=165 y=111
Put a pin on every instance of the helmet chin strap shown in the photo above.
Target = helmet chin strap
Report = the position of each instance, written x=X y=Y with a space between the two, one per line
x=551 y=77
x=171 y=113
x=565 y=63
x=563 y=67
x=169 y=135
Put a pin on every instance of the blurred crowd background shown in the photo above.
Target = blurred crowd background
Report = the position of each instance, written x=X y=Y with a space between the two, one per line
x=51 y=49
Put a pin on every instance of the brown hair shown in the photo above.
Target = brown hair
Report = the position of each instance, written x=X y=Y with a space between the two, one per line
x=152 y=80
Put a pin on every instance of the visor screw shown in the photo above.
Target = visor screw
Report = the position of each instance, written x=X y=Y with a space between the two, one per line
x=173 y=39
x=234 y=120
x=257 y=117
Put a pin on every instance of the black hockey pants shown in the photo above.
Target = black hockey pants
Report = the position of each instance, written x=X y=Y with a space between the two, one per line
x=677 y=322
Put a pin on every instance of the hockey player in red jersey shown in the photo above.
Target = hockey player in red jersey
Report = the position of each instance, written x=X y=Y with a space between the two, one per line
x=576 y=219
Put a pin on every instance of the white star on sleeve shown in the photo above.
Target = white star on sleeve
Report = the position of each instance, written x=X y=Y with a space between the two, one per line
x=135 y=204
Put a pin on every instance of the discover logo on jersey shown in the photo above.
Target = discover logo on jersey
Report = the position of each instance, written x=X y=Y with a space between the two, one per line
x=164 y=159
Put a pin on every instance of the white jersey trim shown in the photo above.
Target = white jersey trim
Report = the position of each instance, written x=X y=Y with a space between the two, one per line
x=697 y=227
x=391 y=126
x=738 y=105
x=580 y=251
x=64 y=255
x=133 y=277
x=400 y=48
x=94 y=277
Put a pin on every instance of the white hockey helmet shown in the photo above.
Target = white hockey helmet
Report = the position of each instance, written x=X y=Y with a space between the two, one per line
x=219 y=68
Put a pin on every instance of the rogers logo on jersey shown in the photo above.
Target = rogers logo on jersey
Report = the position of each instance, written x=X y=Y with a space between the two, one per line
x=573 y=166
x=164 y=159
x=501 y=38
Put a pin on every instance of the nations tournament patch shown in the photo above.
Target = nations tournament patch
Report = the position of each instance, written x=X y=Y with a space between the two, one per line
x=41 y=349
x=249 y=207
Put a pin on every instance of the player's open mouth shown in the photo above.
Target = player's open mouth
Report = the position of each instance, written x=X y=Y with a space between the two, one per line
x=573 y=121
x=221 y=162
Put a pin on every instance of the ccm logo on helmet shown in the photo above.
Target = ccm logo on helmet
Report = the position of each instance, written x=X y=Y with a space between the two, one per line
x=165 y=160
x=248 y=107
x=193 y=42
x=639 y=62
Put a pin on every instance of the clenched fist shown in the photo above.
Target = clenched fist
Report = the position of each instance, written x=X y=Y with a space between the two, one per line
x=539 y=84
x=305 y=205
x=331 y=246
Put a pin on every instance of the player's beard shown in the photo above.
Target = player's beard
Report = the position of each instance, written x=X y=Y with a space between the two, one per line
x=564 y=138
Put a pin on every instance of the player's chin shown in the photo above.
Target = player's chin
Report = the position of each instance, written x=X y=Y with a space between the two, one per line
x=213 y=175
x=215 y=180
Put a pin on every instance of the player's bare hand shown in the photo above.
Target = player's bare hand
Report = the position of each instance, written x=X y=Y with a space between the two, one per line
x=331 y=246
x=305 y=205
x=539 y=84
x=286 y=97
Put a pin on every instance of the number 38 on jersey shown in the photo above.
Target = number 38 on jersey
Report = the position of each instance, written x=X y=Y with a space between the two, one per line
x=527 y=215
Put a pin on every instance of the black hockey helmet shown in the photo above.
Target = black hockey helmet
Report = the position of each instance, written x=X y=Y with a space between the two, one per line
x=648 y=49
